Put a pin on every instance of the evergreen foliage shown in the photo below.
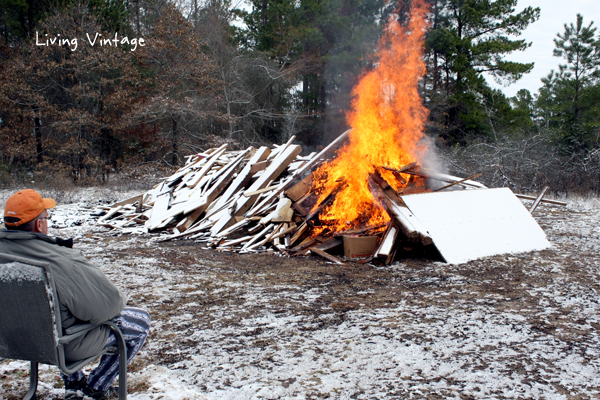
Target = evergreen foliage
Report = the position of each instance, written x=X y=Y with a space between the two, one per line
x=569 y=100
x=469 y=38
x=326 y=44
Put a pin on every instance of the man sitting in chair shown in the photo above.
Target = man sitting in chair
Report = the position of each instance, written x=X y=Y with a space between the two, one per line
x=85 y=294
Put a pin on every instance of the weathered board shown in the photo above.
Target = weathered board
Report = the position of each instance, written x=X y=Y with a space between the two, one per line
x=470 y=224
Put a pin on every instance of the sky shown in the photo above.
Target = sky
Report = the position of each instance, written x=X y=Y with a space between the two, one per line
x=554 y=14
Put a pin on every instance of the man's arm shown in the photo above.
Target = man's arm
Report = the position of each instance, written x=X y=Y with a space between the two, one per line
x=90 y=295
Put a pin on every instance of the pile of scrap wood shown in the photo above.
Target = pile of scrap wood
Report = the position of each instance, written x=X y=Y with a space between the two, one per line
x=259 y=200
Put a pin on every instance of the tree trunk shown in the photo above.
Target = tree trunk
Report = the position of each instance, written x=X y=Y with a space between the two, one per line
x=263 y=15
x=137 y=16
x=37 y=132
x=174 y=155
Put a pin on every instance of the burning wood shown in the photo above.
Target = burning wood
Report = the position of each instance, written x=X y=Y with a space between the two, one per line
x=222 y=199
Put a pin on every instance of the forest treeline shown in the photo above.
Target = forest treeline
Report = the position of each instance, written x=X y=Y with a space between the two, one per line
x=87 y=87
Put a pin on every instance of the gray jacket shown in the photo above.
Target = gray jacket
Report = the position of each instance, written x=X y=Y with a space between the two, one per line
x=85 y=293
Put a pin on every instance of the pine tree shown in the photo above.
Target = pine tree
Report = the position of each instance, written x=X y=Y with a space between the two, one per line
x=325 y=44
x=569 y=100
x=468 y=39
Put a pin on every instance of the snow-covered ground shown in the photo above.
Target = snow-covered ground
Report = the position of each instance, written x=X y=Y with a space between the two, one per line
x=228 y=326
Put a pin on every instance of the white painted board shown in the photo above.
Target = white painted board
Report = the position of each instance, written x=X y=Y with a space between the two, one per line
x=470 y=224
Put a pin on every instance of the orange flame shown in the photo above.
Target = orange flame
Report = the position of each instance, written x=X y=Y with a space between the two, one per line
x=387 y=121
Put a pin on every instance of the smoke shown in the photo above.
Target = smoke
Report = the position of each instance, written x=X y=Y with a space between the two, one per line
x=430 y=159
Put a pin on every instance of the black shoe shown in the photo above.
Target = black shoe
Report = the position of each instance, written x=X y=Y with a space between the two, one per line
x=74 y=389
x=73 y=395
x=110 y=394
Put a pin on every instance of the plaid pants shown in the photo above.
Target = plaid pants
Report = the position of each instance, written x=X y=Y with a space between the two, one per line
x=134 y=324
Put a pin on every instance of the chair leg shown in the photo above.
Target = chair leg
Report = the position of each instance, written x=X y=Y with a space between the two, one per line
x=33 y=381
x=122 y=370
x=122 y=361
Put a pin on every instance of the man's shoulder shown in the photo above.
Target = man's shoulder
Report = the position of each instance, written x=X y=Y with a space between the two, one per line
x=22 y=235
x=34 y=245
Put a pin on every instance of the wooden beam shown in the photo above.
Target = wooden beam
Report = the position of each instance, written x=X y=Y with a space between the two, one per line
x=412 y=228
x=325 y=255
x=539 y=198
x=110 y=213
x=457 y=182
x=260 y=166
x=204 y=170
x=132 y=200
x=387 y=247
x=297 y=191
x=248 y=193
x=525 y=197
x=333 y=145
x=301 y=229
x=257 y=237
x=285 y=232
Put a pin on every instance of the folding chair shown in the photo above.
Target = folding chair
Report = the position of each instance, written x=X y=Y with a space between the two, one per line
x=30 y=323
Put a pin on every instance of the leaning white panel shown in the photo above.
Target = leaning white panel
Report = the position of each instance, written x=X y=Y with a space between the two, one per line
x=469 y=224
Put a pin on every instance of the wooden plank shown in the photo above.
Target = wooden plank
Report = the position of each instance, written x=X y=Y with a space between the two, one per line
x=182 y=234
x=330 y=243
x=330 y=197
x=257 y=237
x=388 y=245
x=304 y=245
x=280 y=149
x=190 y=219
x=232 y=228
x=180 y=197
x=260 y=166
x=263 y=204
x=109 y=214
x=209 y=164
x=297 y=191
x=301 y=230
x=198 y=206
x=235 y=241
x=358 y=231
x=409 y=224
x=244 y=176
x=325 y=255
x=283 y=211
x=158 y=211
x=285 y=232
x=267 y=240
x=525 y=197
x=216 y=189
x=224 y=222
x=429 y=173
x=539 y=198
x=295 y=165
x=132 y=200
x=300 y=207
x=457 y=182
x=278 y=165
x=322 y=154
x=261 y=191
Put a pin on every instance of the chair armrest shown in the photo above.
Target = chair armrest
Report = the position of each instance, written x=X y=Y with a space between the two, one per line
x=78 y=330
x=81 y=329
x=78 y=327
